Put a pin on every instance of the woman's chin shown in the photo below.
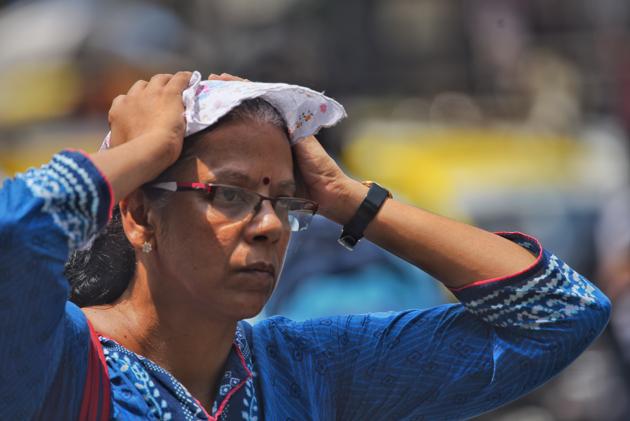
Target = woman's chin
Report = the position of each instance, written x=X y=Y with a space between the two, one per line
x=235 y=305
x=248 y=305
x=249 y=314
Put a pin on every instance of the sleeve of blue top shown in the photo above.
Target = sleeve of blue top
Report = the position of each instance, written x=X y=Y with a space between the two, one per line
x=507 y=337
x=44 y=214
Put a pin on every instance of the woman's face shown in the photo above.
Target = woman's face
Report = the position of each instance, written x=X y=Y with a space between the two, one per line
x=214 y=263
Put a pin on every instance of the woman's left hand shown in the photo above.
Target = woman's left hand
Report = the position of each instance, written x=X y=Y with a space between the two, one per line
x=338 y=195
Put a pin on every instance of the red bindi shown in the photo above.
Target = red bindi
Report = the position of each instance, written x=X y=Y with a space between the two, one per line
x=266 y=180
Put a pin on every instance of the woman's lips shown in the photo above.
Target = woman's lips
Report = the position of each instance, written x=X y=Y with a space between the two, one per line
x=257 y=277
x=261 y=267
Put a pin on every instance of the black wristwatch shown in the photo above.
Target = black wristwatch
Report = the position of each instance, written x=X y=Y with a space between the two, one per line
x=353 y=231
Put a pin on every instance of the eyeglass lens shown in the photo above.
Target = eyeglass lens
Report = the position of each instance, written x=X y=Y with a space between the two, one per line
x=237 y=203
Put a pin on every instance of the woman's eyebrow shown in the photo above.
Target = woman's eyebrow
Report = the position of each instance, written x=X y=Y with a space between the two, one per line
x=231 y=175
x=287 y=185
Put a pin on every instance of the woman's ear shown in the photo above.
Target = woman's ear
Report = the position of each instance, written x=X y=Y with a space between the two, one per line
x=134 y=211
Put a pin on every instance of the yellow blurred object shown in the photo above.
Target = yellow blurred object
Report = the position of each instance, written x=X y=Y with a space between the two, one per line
x=432 y=167
x=37 y=91
x=39 y=150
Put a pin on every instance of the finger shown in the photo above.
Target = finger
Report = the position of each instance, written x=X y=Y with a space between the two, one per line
x=227 y=77
x=159 y=80
x=309 y=145
x=118 y=99
x=115 y=104
x=179 y=81
x=114 y=109
x=214 y=76
x=137 y=87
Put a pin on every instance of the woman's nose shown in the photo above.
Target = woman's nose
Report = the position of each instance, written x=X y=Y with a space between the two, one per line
x=265 y=223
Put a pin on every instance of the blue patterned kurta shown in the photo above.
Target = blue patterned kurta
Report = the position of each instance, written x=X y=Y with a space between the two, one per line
x=506 y=337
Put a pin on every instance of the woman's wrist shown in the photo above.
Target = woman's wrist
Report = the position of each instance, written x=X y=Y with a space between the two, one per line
x=163 y=148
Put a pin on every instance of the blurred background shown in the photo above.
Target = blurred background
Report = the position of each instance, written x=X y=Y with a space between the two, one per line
x=509 y=114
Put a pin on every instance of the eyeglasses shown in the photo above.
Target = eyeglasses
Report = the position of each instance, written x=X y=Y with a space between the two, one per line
x=237 y=203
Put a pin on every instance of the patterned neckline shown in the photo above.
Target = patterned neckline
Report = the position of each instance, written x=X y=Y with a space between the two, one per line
x=238 y=372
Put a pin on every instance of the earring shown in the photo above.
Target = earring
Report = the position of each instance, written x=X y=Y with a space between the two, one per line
x=146 y=247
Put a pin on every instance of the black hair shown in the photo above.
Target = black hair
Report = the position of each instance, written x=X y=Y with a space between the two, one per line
x=101 y=272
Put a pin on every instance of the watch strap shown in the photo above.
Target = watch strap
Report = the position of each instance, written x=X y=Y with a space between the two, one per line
x=353 y=231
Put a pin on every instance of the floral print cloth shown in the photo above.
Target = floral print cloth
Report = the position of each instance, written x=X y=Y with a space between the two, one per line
x=305 y=111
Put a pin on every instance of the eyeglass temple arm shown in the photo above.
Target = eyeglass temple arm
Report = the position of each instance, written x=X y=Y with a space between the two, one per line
x=174 y=186
x=168 y=185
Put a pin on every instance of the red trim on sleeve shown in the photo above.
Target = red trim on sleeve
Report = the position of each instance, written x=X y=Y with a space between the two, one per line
x=97 y=387
x=508 y=277
x=112 y=198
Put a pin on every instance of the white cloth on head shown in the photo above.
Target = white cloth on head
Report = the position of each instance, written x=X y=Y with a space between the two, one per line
x=304 y=110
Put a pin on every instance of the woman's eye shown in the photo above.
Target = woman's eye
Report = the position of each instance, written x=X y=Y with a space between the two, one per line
x=229 y=195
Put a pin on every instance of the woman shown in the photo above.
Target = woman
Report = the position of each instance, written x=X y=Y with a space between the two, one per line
x=208 y=220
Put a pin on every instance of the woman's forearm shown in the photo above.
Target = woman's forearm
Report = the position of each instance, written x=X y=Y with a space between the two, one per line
x=455 y=253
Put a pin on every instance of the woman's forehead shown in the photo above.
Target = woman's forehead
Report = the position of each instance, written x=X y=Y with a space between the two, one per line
x=245 y=153
x=242 y=138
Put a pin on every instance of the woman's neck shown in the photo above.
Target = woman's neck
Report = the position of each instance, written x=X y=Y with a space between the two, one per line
x=193 y=349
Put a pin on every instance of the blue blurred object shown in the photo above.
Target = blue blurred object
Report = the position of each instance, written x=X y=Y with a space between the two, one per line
x=321 y=278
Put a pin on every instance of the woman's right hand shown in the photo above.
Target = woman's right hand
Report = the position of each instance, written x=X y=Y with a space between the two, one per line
x=152 y=108
x=147 y=133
